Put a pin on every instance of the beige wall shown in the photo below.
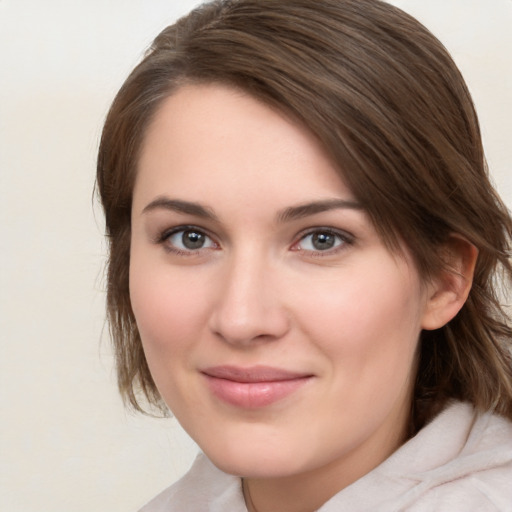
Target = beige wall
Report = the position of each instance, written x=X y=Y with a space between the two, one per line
x=65 y=442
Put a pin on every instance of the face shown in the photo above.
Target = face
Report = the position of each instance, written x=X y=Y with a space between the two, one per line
x=277 y=326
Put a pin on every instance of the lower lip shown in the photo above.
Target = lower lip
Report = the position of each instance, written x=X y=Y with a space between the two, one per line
x=253 y=395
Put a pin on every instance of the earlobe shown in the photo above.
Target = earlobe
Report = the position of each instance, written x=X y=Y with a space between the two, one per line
x=448 y=292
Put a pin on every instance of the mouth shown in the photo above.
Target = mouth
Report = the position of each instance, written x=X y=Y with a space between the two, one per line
x=254 y=387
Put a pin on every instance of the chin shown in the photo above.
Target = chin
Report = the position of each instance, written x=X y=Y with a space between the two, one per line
x=254 y=461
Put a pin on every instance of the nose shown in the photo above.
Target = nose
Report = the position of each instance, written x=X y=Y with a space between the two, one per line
x=248 y=306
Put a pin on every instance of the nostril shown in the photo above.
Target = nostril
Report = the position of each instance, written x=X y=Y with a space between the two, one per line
x=249 y=327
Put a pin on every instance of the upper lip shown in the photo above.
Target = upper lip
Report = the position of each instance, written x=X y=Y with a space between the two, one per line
x=253 y=374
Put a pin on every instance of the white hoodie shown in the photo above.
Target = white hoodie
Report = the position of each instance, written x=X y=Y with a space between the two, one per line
x=460 y=462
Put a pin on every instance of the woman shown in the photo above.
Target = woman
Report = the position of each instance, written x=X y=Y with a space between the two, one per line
x=304 y=251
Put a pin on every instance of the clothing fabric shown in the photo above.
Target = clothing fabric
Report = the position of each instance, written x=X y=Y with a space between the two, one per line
x=459 y=462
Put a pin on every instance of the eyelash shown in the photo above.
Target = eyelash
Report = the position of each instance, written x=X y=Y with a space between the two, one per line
x=344 y=239
x=164 y=239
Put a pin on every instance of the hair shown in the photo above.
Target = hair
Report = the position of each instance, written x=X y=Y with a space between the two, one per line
x=390 y=107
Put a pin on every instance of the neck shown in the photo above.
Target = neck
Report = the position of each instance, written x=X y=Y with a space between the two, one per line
x=247 y=496
x=307 y=492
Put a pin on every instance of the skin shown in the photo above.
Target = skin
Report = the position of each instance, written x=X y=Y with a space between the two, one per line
x=261 y=290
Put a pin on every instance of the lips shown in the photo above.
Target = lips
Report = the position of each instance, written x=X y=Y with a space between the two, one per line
x=254 y=387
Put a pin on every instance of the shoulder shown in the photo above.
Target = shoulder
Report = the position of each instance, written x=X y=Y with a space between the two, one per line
x=203 y=487
x=485 y=491
x=470 y=468
x=459 y=462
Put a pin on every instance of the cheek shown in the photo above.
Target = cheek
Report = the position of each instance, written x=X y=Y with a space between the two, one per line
x=170 y=311
x=370 y=319
x=168 y=308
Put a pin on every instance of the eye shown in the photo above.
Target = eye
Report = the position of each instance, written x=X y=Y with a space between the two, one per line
x=189 y=239
x=322 y=240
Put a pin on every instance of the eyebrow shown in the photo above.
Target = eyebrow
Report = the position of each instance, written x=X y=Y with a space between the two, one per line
x=307 y=209
x=177 y=205
x=288 y=214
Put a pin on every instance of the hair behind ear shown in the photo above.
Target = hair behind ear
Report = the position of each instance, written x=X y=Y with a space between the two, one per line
x=464 y=349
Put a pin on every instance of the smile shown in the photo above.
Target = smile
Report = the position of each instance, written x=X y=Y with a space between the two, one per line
x=255 y=387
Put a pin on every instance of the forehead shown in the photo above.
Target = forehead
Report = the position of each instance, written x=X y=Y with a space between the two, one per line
x=206 y=137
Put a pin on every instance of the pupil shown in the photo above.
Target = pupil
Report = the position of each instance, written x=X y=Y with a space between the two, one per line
x=323 y=241
x=193 y=240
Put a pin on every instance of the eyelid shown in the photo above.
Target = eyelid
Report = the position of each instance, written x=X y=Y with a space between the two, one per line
x=163 y=239
x=164 y=234
x=346 y=238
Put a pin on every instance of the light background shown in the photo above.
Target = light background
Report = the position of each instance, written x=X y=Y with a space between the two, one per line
x=66 y=443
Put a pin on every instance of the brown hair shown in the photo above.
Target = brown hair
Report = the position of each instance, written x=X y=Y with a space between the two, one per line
x=389 y=105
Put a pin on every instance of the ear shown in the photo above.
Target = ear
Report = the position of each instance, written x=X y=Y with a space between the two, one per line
x=448 y=291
